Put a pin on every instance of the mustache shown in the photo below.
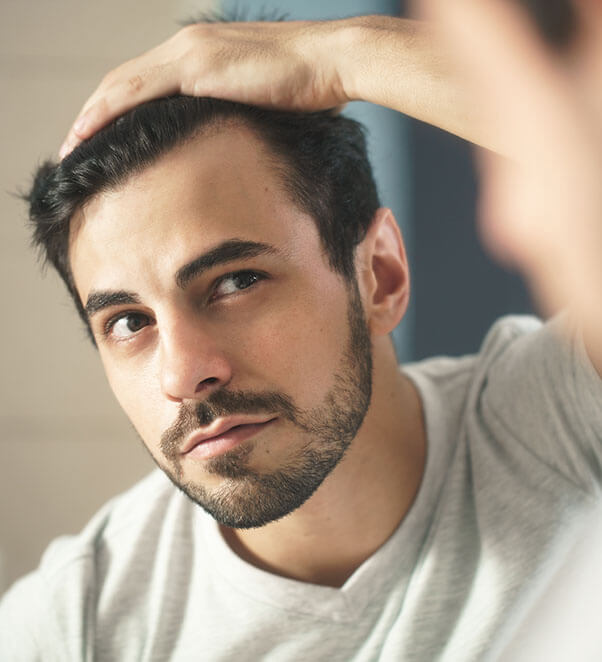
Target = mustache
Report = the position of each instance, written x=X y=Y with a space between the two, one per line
x=220 y=404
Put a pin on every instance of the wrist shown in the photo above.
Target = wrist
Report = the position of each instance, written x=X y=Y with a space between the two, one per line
x=346 y=47
x=371 y=51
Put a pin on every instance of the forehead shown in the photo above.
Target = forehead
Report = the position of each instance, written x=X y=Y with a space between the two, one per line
x=215 y=187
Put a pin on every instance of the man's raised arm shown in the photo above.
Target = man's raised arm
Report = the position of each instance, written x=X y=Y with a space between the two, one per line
x=294 y=65
x=542 y=208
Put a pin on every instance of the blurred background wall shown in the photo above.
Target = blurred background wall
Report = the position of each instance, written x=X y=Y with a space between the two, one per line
x=65 y=447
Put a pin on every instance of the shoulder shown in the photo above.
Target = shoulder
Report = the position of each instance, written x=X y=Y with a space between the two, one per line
x=122 y=520
x=530 y=390
x=526 y=366
x=456 y=373
x=55 y=604
x=535 y=386
x=504 y=333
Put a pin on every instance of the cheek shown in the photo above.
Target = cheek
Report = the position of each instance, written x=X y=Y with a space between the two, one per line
x=140 y=398
x=296 y=351
x=293 y=348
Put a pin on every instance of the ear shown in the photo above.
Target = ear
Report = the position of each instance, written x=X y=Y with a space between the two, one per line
x=383 y=274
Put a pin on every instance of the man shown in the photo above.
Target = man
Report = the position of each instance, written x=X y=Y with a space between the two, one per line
x=240 y=282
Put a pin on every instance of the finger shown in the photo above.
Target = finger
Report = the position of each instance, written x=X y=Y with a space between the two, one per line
x=126 y=93
x=74 y=136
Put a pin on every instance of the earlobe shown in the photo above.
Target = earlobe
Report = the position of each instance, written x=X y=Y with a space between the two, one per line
x=383 y=273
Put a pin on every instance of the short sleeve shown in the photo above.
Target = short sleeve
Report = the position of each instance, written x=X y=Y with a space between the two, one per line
x=24 y=622
x=539 y=389
x=48 y=614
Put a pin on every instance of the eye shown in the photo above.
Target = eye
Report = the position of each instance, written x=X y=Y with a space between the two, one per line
x=126 y=325
x=235 y=282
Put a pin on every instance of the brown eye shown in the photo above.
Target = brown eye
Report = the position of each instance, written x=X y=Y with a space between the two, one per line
x=127 y=325
x=236 y=282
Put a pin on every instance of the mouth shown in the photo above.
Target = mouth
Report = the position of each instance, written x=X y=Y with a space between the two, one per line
x=222 y=436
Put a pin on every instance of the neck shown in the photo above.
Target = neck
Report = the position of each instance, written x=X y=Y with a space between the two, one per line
x=363 y=500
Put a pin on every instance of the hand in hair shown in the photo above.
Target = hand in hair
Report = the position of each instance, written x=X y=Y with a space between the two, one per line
x=297 y=65
x=286 y=65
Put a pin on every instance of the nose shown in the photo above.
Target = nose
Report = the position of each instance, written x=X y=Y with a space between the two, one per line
x=191 y=364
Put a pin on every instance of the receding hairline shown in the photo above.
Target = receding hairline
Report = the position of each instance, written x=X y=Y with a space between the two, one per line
x=275 y=162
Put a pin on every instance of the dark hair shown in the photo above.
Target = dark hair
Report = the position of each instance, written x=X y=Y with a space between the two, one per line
x=320 y=157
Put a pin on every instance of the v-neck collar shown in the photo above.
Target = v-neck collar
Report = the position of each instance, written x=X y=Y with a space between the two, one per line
x=388 y=569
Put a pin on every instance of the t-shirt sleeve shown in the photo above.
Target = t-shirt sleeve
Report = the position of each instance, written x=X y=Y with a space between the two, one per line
x=25 y=630
x=43 y=615
x=538 y=388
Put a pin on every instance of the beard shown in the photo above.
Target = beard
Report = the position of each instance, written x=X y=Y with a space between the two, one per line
x=247 y=498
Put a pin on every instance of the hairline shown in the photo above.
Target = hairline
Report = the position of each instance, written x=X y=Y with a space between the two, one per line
x=277 y=163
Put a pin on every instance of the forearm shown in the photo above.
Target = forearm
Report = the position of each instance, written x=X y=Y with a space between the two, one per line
x=404 y=65
x=298 y=65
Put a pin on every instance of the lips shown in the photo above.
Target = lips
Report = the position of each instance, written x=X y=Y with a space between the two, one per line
x=233 y=428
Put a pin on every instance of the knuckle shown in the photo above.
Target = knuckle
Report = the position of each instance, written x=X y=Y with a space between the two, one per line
x=191 y=35
x=135 y=83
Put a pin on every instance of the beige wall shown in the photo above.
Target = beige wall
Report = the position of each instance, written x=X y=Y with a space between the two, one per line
x=65 y=447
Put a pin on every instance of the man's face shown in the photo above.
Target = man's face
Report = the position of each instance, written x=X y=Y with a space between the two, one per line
x=241 y=358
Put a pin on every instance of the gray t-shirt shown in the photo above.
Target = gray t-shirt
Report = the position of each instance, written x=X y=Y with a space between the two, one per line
x=514 y=460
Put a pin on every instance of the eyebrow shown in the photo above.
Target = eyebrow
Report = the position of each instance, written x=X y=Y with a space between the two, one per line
x=228 y=251
x=98 y=300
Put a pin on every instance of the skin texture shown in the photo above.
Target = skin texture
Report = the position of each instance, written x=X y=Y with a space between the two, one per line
x=288 y=334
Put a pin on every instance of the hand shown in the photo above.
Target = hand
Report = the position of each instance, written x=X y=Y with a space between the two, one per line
x=304 y=66
x=541 y=210
x=289 y=65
